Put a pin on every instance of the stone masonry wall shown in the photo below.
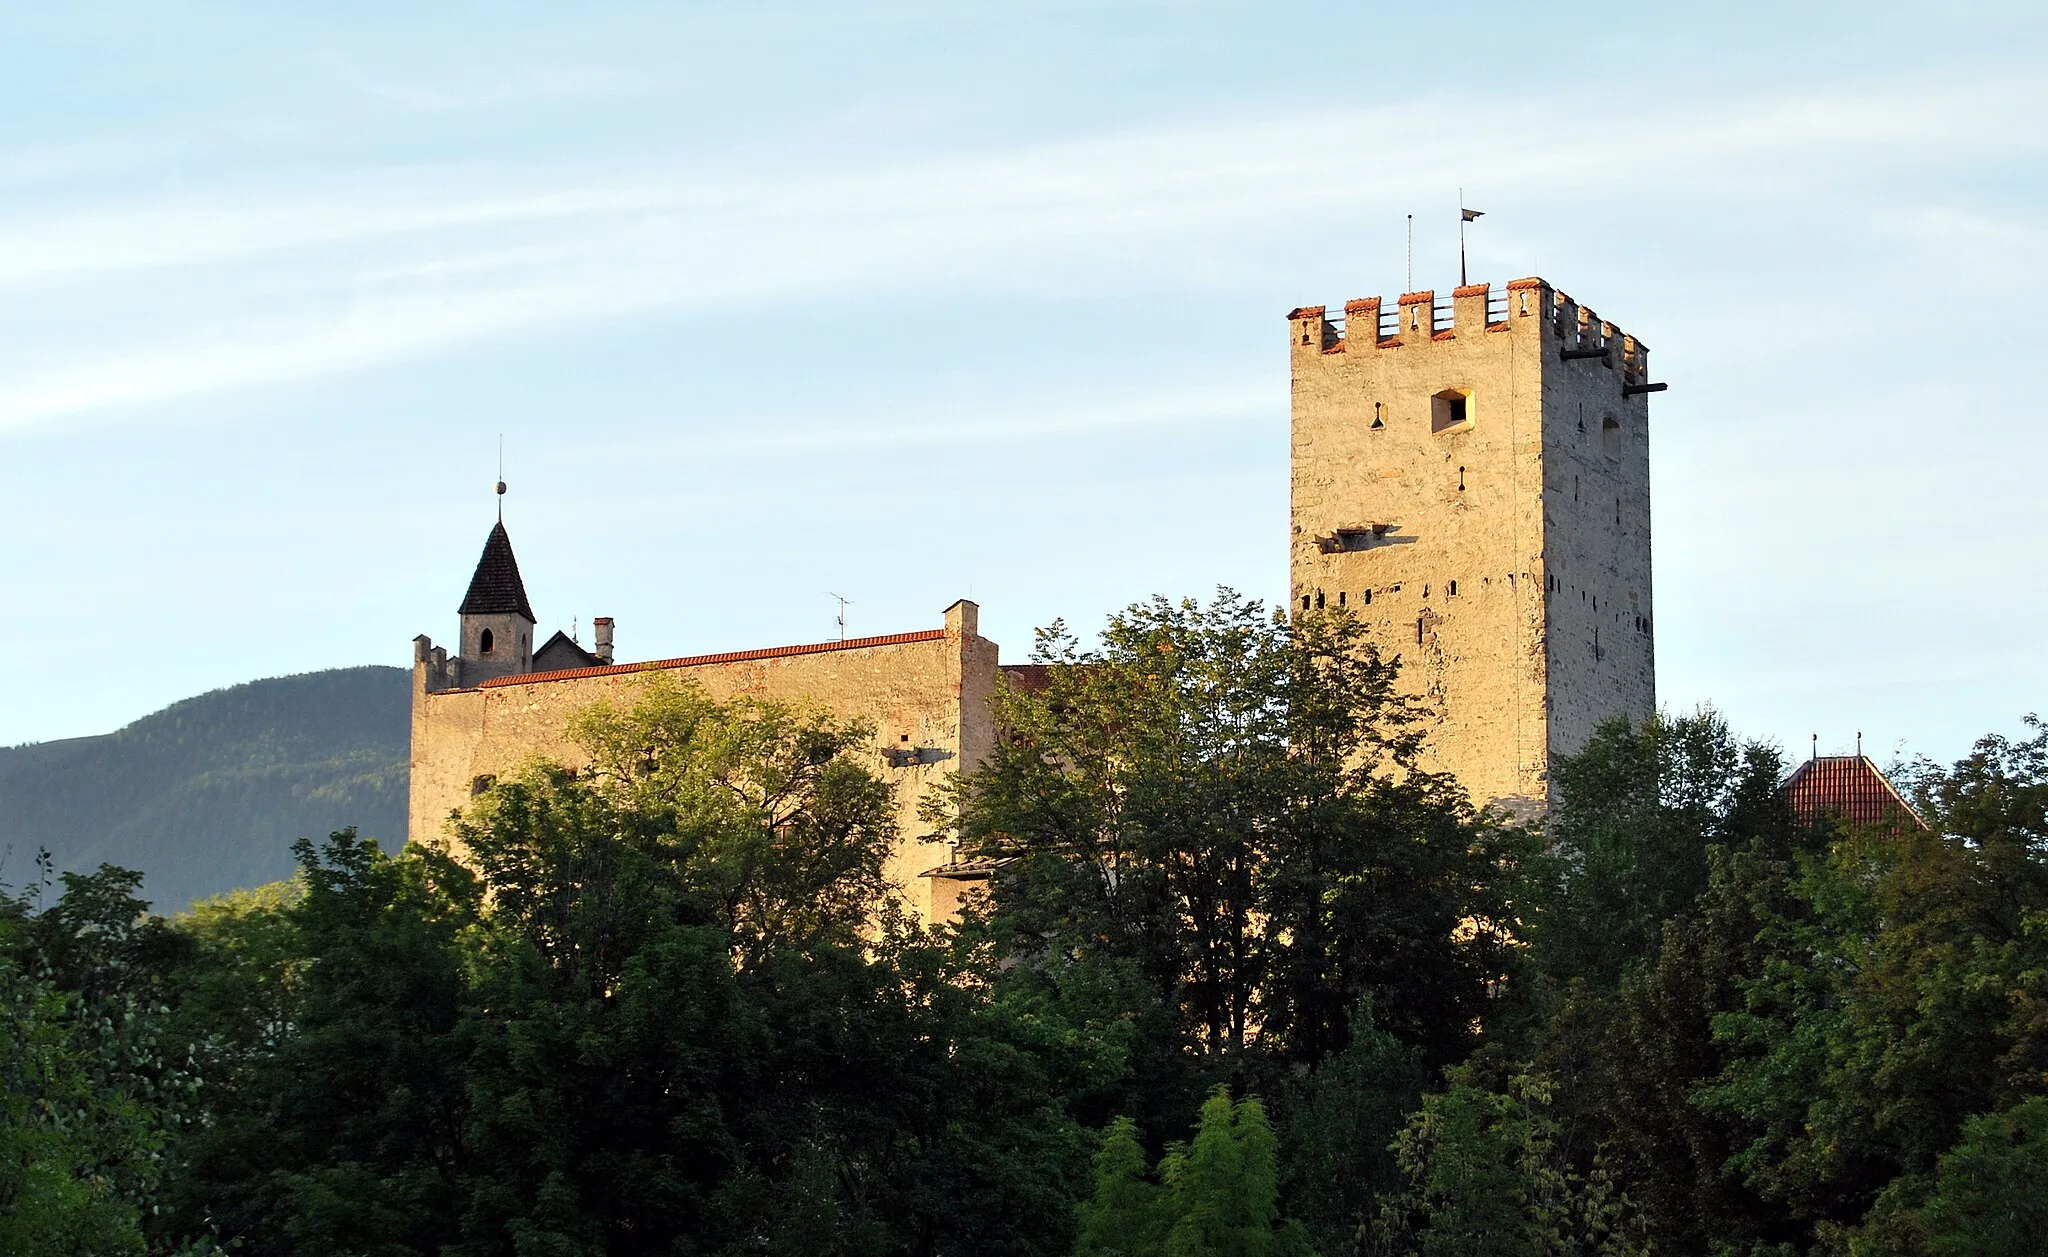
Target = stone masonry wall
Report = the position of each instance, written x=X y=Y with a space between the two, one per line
x=927 y=699
x=1597 y=526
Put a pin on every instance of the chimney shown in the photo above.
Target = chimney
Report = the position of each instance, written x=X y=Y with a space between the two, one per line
x=603 y=627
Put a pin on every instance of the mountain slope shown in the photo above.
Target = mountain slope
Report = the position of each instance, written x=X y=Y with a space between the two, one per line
x=209 y=793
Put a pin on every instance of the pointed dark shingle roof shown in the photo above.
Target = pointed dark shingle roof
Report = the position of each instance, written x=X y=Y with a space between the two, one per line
x=496 y=588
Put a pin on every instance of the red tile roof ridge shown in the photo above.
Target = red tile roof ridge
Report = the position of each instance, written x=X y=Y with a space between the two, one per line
x=1842 y=784
x=730 y=656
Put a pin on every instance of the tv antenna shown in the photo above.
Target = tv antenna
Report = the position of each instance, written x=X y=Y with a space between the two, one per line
x=1411 y=254
x=844 y=602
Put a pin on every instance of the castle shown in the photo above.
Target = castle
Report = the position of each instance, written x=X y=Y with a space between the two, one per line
x=1470 y=477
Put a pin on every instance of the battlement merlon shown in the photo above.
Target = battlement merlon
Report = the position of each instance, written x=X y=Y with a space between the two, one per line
x=1530 y=305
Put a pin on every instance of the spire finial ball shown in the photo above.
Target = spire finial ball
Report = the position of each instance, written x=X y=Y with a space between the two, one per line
x=501 y=488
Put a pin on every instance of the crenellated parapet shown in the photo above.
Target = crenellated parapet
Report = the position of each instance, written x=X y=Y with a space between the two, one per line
x=1529 y=307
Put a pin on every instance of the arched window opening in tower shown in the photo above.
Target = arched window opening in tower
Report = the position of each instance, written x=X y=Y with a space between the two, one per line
x=484 y=642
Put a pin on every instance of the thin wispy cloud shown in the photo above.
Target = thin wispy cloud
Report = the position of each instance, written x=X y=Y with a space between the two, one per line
x=131 y=304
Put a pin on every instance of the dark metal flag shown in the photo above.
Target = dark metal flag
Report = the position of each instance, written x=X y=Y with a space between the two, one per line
x=1464 y=216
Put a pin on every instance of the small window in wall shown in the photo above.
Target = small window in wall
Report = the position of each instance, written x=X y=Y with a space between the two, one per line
x=1379 y=416
x=1367 y=596
x=1319 y=600
x=1340 y=597
x=484 y=642
x=1610 y=437
x=1451 y=410
x=1304 y=602
x=1452 y=590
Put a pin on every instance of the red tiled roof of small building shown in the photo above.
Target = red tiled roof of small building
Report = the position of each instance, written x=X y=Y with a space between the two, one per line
x=1849 y=787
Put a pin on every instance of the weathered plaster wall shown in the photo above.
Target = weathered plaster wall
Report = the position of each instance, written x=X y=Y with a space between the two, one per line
x=926 y=699
x=1445 y=533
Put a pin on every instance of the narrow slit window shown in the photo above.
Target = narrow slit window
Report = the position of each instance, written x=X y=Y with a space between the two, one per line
x=1340 y=597
x=1453 y=589
x=1367 y=597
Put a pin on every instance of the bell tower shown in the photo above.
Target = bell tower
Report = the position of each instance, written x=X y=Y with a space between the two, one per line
x=497 y=621
x=1472 y=479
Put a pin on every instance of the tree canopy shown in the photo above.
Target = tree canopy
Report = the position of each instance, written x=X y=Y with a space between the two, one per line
x=1247 y=981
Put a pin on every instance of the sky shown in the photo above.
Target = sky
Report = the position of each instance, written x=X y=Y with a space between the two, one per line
x=909 y=302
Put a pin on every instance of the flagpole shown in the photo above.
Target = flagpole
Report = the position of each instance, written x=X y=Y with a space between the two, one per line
x=1464 y=216
x=1462 y=281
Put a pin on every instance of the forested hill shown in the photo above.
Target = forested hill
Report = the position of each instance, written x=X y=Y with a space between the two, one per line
x=208 y=794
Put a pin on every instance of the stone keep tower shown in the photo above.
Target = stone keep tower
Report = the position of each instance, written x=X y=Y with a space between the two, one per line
x=1472 y=478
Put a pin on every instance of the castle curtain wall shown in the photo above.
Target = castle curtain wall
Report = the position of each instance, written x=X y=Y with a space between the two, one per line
x=925 y=694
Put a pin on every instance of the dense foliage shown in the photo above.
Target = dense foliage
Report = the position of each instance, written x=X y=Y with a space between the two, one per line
x=1248 y=982
x=206 y=795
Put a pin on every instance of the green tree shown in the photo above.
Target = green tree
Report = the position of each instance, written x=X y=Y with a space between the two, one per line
x=1489 y=1175
x=1126 y=1217
x=1638 y=810
x=1988 y=1199
x=1226 y=802
x=90 y=1087
x=1219 y=1194
x=654 y=1008
x=1223 y=1188
x=1339 y=1126
x=1900 y=995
